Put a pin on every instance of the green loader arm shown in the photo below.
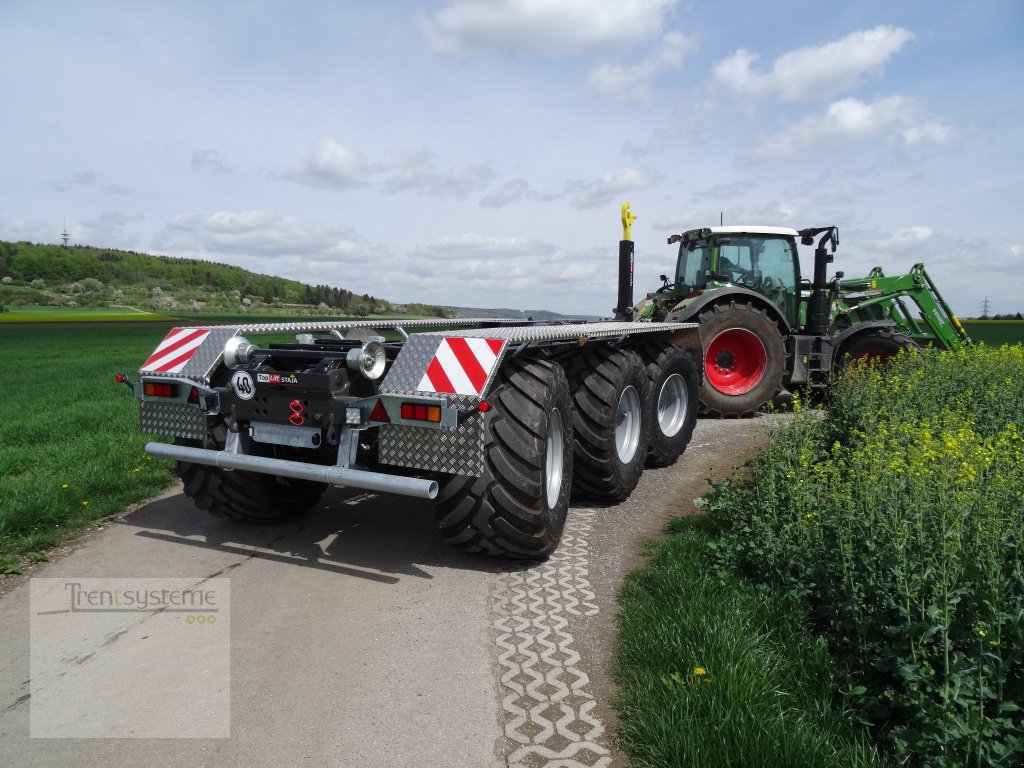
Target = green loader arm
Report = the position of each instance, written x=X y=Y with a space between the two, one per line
x=933 y=323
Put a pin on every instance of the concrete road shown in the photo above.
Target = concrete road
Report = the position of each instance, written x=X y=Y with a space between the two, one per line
x=353 y=637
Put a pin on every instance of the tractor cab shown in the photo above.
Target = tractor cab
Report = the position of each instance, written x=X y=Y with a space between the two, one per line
x=760 y=259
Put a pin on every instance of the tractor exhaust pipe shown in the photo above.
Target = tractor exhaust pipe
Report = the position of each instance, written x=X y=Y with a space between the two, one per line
x=818 y=306
x=624 y=309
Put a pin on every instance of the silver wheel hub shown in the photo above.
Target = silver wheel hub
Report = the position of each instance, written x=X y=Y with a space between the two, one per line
x=554 y=460
x=672 y=402
x=627 y=425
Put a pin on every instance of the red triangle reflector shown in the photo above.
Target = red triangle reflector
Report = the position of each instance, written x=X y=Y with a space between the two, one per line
x=193 y=396
x=380 y=413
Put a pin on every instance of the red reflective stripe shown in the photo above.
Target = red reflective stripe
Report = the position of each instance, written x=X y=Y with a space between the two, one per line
x=170 y=348
x=495 y=345
x=470 y=365
x=438 y=378
x=176 y=361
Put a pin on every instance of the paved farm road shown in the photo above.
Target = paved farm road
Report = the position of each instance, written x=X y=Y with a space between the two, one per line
x=357 y=638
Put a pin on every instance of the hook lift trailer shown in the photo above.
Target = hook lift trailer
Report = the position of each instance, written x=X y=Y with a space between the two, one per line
x=498 y=422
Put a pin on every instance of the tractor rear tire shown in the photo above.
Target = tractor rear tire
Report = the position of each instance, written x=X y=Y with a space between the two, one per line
x=874 y=346
x=675 y=391
x=250 y=497
x=517 y=507
x=744 y=359
x=612 y=396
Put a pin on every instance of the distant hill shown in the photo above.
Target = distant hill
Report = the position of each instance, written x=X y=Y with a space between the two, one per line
x=516 y=314
x=87 y=276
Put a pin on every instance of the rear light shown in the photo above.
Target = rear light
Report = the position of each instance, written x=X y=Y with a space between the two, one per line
x=421 y=412
x=155 y=389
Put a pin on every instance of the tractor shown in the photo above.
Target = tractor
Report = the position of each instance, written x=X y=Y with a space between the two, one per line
x=766 y=328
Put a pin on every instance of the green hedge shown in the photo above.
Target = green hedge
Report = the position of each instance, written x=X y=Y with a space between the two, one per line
x=898 y=521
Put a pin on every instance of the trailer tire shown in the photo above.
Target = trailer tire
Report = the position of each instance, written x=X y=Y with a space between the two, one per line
x=744 y=359
x=675 y=392
x=250 y=497
x=873 y=346
x=517 y=507
x=611 y=394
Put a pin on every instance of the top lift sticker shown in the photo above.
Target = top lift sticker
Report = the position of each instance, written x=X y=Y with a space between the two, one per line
x=461 y=366
x=175 y=350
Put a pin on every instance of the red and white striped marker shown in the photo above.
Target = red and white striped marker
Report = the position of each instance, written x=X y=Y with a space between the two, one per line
x=461 y=366
x=175 y=350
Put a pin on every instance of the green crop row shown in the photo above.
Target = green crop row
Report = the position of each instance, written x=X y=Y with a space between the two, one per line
x=898 y=522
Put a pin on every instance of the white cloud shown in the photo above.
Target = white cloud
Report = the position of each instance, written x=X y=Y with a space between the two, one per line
x=593 y=193
x=814 y=72
x=900 y=241
x=418 y=172
x=899 y=118
x=264 y=235
x=481 y=270
x=631 y=84
x=510 y=192
x=556 y=27
x=109 y=229
x=331 y=165
x=474 y=246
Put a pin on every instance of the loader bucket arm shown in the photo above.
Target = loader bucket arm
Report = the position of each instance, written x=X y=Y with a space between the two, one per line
x=934 y=322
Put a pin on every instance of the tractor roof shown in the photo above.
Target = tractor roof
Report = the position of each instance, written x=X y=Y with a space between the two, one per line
x=750 y=229
x=742 y=229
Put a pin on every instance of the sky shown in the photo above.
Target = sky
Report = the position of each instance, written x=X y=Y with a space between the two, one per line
x=477 y=152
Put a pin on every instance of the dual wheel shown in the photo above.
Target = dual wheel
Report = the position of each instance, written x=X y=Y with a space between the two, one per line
x=583 y=425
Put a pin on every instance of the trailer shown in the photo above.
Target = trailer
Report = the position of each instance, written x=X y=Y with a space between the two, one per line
x=497 y=422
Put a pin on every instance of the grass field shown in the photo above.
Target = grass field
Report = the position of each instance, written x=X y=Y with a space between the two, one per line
x=70 y=447
x=995 y=333
x=713 y=671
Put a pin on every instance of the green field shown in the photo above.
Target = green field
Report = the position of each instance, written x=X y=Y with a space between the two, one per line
x=995 y=333
x=41 y=314
x=70 y=447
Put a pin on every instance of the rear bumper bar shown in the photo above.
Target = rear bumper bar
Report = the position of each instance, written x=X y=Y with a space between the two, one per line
x=342 y=477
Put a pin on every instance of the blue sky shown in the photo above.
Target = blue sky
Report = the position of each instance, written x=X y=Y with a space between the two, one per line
x=476 y=152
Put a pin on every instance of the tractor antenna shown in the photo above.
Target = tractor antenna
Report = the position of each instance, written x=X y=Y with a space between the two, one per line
x=64 y=235
x=721 y=218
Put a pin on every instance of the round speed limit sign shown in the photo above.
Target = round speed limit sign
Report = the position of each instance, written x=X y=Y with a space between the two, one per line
x=243 y=385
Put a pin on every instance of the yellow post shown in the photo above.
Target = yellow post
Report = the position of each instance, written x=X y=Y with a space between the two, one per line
x=627 y=221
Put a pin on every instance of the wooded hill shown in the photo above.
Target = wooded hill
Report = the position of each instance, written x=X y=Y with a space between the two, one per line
x=84 y=276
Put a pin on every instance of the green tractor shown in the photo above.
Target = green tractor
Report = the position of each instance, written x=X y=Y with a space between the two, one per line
x=766 y=328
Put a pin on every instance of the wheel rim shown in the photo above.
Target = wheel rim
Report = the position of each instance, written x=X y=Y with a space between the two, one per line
x=627 y=424
x=554 y=462
x=869 y=356
x=735 y=361
x=672 y=402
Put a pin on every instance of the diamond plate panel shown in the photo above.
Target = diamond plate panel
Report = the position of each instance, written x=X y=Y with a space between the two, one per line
x=175 y=419
x=208 y=354
x=457 y=451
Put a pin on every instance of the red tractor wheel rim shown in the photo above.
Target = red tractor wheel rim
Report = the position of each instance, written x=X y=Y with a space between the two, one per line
x=735 y=361
x=869 y=356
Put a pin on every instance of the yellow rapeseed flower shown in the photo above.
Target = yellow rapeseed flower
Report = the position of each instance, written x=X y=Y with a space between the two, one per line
x=699 y=671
